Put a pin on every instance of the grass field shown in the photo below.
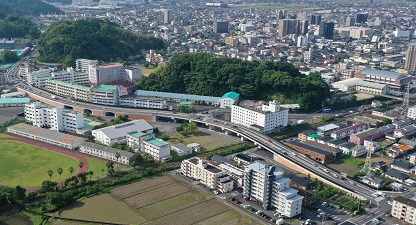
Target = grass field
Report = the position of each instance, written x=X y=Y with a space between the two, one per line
x=148 y=70
x=361 y=96
x=5 y=136
x=350 y=165
x=18 y=218
x=95 y=165
x=206 y=140
x=159 y=200
x=19 y=159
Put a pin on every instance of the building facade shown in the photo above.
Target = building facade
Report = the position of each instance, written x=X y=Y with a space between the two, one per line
x=410 y=63
x=404 y=209
x=68 y=90
x=105 y=94
x=143 y=102
x=105 y=152
x=118 y=133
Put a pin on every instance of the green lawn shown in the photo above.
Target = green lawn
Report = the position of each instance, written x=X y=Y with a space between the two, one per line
x=5 y=136
x=19 y=159
x=95 y=165
x=148 y=70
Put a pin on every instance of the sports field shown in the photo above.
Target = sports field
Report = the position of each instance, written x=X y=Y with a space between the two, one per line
x=18 y=159
x=159 y=200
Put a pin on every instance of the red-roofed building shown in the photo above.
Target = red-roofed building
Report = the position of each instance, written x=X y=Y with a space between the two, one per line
x=127 y=88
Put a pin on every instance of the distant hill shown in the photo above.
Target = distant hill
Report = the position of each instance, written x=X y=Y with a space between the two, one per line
x=28 y=7
x=66 y=41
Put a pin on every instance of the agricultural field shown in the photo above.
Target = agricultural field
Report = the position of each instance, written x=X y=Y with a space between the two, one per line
x=206 y=140
x=32 y=163
x=158 y=200
x=18 y=218
x=350 y=165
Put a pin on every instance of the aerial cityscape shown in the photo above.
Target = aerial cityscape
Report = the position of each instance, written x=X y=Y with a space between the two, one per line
x=207 y=112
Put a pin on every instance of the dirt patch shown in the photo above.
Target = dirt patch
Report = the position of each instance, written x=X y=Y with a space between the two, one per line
x=18 y=218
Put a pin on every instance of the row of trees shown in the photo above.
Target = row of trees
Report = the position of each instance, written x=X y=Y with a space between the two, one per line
x=204 y=74
x=66 y=41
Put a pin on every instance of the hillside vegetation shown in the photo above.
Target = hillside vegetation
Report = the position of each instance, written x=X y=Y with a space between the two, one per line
x=66 y=41
x=206 y=75
x=28 y=7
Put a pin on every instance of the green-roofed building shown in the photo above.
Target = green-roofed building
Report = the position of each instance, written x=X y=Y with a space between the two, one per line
x=157 y=148
x=105 y=94
x=314 y=136
x=9 y=102
x=229 y=99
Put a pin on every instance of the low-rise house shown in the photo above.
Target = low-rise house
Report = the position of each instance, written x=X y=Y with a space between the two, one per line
x=303 y=136
x=394 y=152
x=300 y=182
x=195 y=147
x=412 y=158
x=381 y=112
x=381 y=166
x=373 y=181
x=181 y=149
x=405 y=131
x=336 y=143
x=402 y=166
x=244 y=159
x=347 y=131
x=352 y=149
x=397 y=176
x=411 y=144
x=389 y=128
x=327 y=129
x=105 y=152
x=324 y=139
x=402 y=123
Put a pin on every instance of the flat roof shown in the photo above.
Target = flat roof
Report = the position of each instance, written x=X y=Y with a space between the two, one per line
x=309 y=147
x=106 y=149
x=14 y=100
x=327 y=127
x=123 y=129
x=104 y=87
x=156 y=142
x=406 y=201
x=69 y=84
x=177 y=96
x=136 y=134
x=383 y=73
x=45 y=133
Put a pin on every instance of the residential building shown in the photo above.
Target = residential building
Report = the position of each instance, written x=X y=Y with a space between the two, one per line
x=411 y=113
x=380 y=166
x=402 y=123
x=68 y=90
x=402 y=166
x=412 y=158
x=142 y=102
x=370 y=134
x=326 y=29
x=316 y=154
x=410 y=63
x=347 y=131
x=303 y=136
x=361 y=17
x=404 y=209
x=234 y=172
x=47 y=136
x=315 y=19
x=105 y=152
x=105 y=94
x=394 y=80
x=373 y=181
x=407 y=131
x=38 y=77
x=55 y=118
x=207 y=174
x=243 y=159
x=397 y=176
x=220 y=27
x=229 y=99
x=167 y=16
x=118 y=133
x=263 y=183
x=266 y=120
x=181 y=149
x=353 y=149
x=83 y=64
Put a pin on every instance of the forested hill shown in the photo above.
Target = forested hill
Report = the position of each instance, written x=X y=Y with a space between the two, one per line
x=66 y=41
x=29 y=7
x=206 y=75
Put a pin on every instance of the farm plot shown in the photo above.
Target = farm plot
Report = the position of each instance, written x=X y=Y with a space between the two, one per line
x=229 y=218
x=173 y=204
x=197 y=213
x=142 y=186
x=102 y=208
x=159 y=194
x=18 y=218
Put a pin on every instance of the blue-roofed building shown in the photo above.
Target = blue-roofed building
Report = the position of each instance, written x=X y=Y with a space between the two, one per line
x=229 y=99
x=11 y=102
x=394 y=80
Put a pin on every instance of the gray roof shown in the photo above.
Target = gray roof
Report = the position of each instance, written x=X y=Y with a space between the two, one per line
x=374 y=179
x=177 y=95
x=407 y=142
x=348 y=145
x=401 y=164
x=383 y=73
x=221 y=159
x=123 y=129
x=309 y=147
x=406 y=201
x=396 y=174
x=402 y=122
x=106 y=149
x=181 y=146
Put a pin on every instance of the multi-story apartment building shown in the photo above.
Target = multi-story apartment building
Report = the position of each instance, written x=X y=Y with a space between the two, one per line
x=55 y=118
x=146 y=143
x=209 y=175
x=404 y=209
x=263 y=183
x=410 y=63
x=118 y=133
x=113 y=72
x=68 y=90
x=105 y=94
x=105 y=152
x=71 y=76
x=411 y=113
x=347 y=131
x=38 y=77
x=234 y=172
x=143 y=102
x=83 y=64
x=265 y=120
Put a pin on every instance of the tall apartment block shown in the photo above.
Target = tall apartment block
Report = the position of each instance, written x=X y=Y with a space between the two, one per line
x=220 y=27
x=410 y=63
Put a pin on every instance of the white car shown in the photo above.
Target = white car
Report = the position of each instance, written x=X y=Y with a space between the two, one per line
x=390 y=203
x=293 y=153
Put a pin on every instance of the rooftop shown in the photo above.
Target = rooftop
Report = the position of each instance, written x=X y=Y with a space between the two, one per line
x=104 y=87
x=233 y=95
x=406 y=201
x=136 y=134
x=14 y=100
x=69 y=84
x=107 y=149
x=327 y=127
x=156 y=142
x=383 y=73
x=177 y=96
x=123 y=129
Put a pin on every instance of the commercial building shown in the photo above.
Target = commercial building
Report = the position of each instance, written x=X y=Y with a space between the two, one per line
x=394 y=80
x=47 y=136
x=143 y=102
x=207 y=174
x=326 y=129
x=167 y=16
x=234 y=172
x=359 y=85
x=55 y=118
x=361 y=17
x=13 y=102
x=326 y=29
x=105 y=152
x=265 y=120
x=105 y=94
x=315 y=19
x=314 y=153
x=229 y=99
x=118 y=133
x=220 y=27
x=68 y=90
x=263 y=183
x=404 y=209
x=410 y=63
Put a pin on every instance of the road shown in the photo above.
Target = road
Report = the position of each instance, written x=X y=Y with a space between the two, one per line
x=12 y=74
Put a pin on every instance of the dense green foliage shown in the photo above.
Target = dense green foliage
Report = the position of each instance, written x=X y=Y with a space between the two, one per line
x=3 y=126
x=13 y=24
x=206 y=75
x=8 y=57
x=66 y=41
x=28 y=7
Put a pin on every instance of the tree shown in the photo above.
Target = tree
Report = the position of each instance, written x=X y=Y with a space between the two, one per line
x=50 y=173
x=164 y=137
x=110 y=165
x=102 y=171
x=8 y=57
x=80 y=165
x=191 y=128
x=90 y=173
x=48 y=185
x=71 y=170
x=134 y=164
x=19 y=193
x=117 y=157
x=179 y=129
x=60 y=171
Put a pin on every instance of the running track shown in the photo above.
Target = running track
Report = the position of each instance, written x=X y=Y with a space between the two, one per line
x=53 y=148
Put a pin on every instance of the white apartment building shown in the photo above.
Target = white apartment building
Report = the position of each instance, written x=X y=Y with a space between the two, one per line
x=146 y=143
x=143 y=102
x=234 y=172
x=265 y=120
x=118 y=133
x=113 y=72
x=404 y=209
x=83 y=64
x=263 y=183
x=411 y=113
x=55 y=118
x=38 y=77
x=105 y=94
x=68 y=90
x=105 y=152
x=207 y=174
x=133 y=74
x=71 y=76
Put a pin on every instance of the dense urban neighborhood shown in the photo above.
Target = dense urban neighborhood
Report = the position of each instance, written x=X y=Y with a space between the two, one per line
x=207 y=112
